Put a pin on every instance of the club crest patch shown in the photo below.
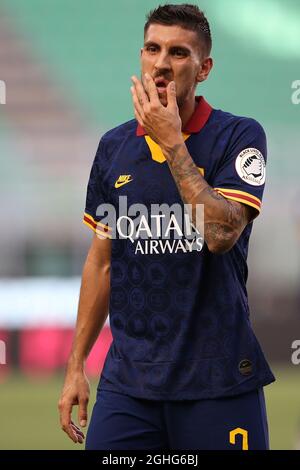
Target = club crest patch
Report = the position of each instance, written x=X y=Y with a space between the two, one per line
x=251 y=167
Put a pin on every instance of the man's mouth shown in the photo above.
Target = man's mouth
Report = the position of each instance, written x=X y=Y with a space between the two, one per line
x=161 y=85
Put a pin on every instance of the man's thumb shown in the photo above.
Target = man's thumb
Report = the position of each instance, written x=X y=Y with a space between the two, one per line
x=82 y=413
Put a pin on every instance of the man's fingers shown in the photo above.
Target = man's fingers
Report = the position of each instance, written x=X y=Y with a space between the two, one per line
x=138 y=118
x=138 y=111
x=171 y=95
x=77 y=431
x=136 y=102
x=140 y=91
x=82 y=411
x=70 y=431
x=76 y=428
x=65 y=410
x=74 y=433
x=151 y=89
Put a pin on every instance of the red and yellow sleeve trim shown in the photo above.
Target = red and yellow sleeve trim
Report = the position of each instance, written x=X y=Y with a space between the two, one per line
x=100 y=229
x=240 y=196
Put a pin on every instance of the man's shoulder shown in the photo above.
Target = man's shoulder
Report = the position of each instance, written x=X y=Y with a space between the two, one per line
x=121 y=131
x=237 y=123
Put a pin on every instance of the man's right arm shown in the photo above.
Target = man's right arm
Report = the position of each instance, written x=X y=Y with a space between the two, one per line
x=92 y=314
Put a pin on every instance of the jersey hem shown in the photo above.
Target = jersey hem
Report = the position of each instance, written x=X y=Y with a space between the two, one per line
x=179 y=396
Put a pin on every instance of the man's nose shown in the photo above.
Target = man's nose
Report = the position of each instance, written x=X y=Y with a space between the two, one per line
x=163 y=61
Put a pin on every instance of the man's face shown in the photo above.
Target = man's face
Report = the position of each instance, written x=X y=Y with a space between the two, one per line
x=172 y=53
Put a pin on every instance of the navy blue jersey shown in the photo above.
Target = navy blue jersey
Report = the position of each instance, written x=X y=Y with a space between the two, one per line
x=179 y=314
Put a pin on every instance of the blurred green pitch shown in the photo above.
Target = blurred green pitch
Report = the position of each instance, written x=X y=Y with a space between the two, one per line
x=29 y=417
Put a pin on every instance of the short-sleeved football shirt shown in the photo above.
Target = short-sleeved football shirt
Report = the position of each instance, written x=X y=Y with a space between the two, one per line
x=179 y=314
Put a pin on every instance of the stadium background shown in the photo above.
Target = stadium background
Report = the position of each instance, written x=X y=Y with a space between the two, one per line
x=67 y=67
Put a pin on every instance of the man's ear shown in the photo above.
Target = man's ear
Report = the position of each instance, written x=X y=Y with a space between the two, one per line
x=204 y=70
x=141 y=51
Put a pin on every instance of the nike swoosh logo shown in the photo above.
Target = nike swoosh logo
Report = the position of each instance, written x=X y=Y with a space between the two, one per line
x=118 y=183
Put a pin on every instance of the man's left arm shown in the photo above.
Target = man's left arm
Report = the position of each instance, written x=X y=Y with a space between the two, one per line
x=224 y=220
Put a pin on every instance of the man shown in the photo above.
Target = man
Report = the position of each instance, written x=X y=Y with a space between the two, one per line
x=184 y=370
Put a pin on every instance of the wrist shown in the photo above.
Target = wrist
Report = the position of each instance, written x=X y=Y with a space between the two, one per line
x=172 y=143
x=76 y=363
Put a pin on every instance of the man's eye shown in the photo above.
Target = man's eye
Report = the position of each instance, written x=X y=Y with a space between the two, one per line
x=151 y=49
x=179 y=53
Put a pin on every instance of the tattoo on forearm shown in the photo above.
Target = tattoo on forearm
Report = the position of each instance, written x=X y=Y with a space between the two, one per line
x=224 y=219
x=181 y=164
x=214 y=194
x=230 y=227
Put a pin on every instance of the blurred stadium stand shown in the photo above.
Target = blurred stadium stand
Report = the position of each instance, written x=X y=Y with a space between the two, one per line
x=67 y=70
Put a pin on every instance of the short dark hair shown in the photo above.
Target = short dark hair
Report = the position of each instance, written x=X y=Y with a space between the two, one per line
x=187 y=16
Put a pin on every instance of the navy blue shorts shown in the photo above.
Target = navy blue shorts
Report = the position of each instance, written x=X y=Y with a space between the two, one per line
x=122 y=422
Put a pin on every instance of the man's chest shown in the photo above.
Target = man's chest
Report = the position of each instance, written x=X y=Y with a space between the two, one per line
x=139 y=171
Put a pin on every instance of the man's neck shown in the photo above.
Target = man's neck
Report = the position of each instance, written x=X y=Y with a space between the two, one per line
x=187 y=110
